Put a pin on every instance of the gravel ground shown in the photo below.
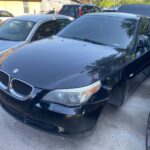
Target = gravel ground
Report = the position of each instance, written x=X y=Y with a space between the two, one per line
x=121 y=128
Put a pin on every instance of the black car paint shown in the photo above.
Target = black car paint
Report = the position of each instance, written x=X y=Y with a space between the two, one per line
x=80 y=64
x=80 y=70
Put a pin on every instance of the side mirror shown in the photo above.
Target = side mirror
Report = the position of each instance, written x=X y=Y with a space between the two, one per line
x=143 y=41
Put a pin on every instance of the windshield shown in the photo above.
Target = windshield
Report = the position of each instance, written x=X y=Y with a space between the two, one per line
x=105 y=30
x=15 y=30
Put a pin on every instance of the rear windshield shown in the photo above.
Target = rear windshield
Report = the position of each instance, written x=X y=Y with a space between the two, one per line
x=69 y=9
x=136 y=9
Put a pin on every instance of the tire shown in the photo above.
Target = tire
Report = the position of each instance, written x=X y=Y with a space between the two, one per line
x=148 y=135
x=118 y=94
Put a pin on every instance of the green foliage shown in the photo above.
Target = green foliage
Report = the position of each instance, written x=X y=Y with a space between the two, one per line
x=109 y=3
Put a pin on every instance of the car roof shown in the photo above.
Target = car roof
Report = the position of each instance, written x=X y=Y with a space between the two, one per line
x=139 y=9
x=37 y=18
x=114 y=14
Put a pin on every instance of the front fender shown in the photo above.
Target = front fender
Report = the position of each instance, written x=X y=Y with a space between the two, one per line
x=75 y=81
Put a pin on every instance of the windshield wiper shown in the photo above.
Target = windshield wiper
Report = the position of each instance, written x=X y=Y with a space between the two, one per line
x=91 y=41
x=84 y=39
x=88 y=40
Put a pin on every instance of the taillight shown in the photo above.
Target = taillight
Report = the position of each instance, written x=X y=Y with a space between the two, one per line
x=80 y=11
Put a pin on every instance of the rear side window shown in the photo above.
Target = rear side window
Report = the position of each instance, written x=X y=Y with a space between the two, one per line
x=5 y=14
x=70 y=10
x=66 y=9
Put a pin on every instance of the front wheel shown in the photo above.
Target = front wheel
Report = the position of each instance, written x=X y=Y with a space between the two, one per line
x=118 y=94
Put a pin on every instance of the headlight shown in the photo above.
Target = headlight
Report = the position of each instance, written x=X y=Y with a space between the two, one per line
x=73 y=97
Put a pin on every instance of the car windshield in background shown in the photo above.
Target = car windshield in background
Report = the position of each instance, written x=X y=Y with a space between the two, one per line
x=15 y=30
x=135 y=9
x=104 y=30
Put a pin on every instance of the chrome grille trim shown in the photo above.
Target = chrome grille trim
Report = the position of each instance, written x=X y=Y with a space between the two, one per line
x=16 y=94
x=1 y=84
x=10 y=91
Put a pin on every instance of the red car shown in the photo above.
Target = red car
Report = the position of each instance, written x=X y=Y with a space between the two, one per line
x=77 y=10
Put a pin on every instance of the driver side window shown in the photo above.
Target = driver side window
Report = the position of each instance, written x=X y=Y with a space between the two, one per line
x=45 y=30
x=145 y=27
x=144 y=33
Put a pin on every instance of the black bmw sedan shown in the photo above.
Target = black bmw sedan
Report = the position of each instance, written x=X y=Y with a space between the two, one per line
x=62 y=83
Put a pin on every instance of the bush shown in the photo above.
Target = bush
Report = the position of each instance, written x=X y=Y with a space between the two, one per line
x=109 y=3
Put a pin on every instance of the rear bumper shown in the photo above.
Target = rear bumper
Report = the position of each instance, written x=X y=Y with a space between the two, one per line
x=78 y=122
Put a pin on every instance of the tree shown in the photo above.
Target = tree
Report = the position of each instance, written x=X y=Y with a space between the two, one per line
x=109 y=3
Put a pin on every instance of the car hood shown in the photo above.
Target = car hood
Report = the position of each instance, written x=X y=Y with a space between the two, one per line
x=58 y=63
x=4 y=45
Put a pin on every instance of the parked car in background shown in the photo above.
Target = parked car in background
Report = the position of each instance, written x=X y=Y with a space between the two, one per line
x=50 y=12
x=135 y=9
x=4 y=15
x=61 y=84
x=112 y=9
x=21 y=30
x=77 y=10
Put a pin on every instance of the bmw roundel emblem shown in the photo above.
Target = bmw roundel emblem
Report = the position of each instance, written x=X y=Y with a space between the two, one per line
x=15 y=71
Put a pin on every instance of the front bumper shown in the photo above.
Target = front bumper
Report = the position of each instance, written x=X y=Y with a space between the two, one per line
x=71 y=121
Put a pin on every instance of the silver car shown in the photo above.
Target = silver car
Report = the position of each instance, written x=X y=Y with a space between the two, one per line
x=21 y=30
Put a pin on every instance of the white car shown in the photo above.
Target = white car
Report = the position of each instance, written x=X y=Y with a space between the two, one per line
x=4 y=15
x=21 y=30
